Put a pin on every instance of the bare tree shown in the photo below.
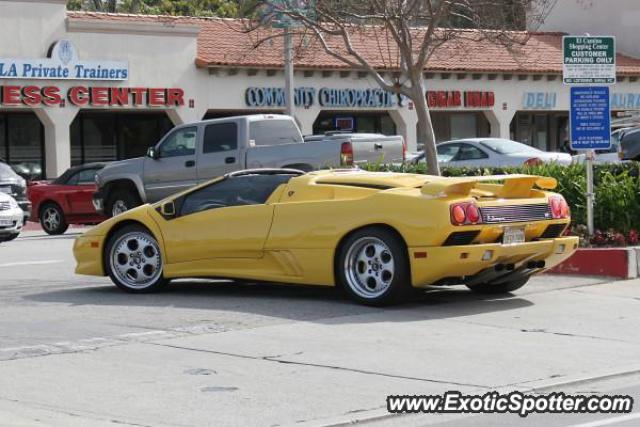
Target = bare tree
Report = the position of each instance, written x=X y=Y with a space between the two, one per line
x=405 y=33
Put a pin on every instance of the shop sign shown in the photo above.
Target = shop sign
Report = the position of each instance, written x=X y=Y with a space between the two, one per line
x=275 y=96
x=624 y=101
x=455 y=98
x=539 y=100
x=62 y=64
x=327 y=97
x=82 y=96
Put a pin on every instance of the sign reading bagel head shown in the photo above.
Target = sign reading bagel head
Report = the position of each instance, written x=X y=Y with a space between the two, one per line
x=62 y=63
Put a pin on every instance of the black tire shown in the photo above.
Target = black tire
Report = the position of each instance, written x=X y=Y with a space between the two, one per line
x=9 y=238
x=388 y=267
x=122 y=200
x=499 y=288
x=52 y=219
x=156 y=280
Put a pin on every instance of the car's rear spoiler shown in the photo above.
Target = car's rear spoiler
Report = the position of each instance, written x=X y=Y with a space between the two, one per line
x=512 y=186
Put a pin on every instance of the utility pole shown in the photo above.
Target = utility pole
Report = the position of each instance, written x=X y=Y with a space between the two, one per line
x=288 y=72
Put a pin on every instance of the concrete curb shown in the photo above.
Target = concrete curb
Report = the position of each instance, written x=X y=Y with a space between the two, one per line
x=622 y=263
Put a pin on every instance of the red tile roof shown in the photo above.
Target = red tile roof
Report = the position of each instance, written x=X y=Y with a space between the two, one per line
x=225 y=42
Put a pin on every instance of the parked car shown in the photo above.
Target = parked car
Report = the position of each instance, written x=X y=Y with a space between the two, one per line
x=11 y=218
x=14 y=185
x=66 y=200
x=371 y=147
x=629 y=143
x=492 y=152
x=374 y=234
x=196 y=152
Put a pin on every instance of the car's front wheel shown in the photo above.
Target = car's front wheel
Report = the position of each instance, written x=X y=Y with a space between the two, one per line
x=133 y=260
x=120 y=202
x=372 y=267
x=499 y=288
x=52 y=219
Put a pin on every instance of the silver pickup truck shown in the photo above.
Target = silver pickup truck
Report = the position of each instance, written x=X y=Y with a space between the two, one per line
x=197 y=152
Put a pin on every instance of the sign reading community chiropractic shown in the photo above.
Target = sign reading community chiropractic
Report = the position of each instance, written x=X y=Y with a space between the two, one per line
x=589 y=60
x=62 y=63
x=81 y=96
x=326 y=97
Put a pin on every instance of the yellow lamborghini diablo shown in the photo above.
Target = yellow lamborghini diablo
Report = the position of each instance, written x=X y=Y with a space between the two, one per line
x=375 y=234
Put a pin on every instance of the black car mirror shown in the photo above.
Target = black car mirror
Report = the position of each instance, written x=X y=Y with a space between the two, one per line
x=168 y=209
x=151 y=152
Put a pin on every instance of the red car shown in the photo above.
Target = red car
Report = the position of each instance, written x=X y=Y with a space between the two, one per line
x=65 y=200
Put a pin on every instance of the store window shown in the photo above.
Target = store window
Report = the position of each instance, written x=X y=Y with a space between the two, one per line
x=448 y=125
x=545 y=131
x=100 y=137
x=22 y=143
x=329 y=121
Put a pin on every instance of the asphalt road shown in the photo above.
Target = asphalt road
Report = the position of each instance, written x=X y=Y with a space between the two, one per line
x=76 y=351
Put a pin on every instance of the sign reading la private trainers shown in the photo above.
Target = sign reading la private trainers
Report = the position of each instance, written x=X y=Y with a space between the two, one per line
x=62 y=64
x=589 y=60
x=590 y=118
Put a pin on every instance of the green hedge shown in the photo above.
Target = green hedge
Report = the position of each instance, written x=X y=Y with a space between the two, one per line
x=617 y=189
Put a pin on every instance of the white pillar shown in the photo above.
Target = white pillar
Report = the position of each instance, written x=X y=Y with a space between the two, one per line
x=306 y=118
x=57 y=138
x=500 y=122
x=406 y=124
x=180 y=116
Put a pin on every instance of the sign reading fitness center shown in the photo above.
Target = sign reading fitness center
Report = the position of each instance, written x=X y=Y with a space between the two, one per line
x=589 y=60
x=62 y=63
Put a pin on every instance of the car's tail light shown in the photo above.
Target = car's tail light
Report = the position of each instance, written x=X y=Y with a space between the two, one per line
x=534 y=161
x=465 y=214
x=346 y=154
x=559 y=207
x=404 y=151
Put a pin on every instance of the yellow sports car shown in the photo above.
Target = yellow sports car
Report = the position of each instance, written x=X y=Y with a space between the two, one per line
x=377 y=235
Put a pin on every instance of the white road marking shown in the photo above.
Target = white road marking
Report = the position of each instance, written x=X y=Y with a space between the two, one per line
x=609 y=421
x=44 y=262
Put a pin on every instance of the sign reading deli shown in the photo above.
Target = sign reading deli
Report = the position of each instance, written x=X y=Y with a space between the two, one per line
x=81 y=96
x=62 y=63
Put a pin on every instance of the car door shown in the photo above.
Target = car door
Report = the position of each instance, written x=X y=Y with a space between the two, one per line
x=79 y=191
x=226 y=219
x=469 y=155
x=174 y=168
x=219 y=152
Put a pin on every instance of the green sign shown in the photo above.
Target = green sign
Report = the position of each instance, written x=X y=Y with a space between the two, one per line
x=283 y=13
x=589 y=60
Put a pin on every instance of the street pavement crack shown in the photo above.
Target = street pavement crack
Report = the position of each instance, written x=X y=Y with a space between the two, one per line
x=277 y=359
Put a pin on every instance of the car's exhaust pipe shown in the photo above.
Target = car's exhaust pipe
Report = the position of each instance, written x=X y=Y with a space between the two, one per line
x=540 y=264
x=499 y=267
x=509 y=267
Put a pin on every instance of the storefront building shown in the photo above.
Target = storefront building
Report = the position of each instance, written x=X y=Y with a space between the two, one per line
x=83 y=87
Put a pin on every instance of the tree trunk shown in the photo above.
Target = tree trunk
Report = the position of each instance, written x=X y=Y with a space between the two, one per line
x=425 y=127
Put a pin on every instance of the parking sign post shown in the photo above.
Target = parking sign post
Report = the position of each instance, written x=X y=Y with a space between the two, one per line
x=589 y=61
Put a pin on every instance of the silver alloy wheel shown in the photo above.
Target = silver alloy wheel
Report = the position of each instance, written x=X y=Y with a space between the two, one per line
x=119 y=206
x=135 y=260
x=369 y=267
x=51 y=218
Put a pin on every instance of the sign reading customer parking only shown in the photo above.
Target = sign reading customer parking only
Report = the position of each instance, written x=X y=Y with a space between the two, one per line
x=589 y=60
x=590 y=118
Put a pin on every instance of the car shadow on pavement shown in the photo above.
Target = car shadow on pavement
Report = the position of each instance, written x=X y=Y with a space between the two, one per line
x=286 y=301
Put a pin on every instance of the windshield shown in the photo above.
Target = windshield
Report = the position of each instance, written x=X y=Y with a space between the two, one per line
x=274 y=132
x=505 y=146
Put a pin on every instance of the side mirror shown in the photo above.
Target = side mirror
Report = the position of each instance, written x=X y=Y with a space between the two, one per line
x=151 y=152
x=168 y=209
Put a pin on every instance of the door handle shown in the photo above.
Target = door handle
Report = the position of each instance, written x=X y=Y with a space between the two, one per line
x=190 y=163
x=377 y=146
x=230 y=160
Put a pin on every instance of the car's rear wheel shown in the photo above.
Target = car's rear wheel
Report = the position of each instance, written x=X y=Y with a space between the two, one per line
x=499 y=288
x=121 y=201
x=52 y=219
x=372 y=267
x=133 y=260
